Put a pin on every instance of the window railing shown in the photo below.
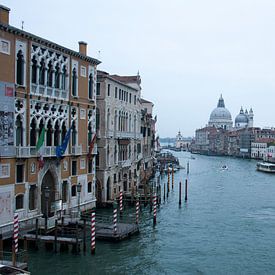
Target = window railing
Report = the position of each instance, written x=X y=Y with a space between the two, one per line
x=49 y=91
x=76 y=150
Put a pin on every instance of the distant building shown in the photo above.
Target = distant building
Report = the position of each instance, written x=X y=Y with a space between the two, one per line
x=244 y=119
x=182 y=143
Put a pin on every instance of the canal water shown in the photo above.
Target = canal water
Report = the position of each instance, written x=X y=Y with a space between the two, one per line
x=227 y=226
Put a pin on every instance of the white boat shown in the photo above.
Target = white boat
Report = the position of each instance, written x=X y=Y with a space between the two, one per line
x=224 y=167
x=266 y=167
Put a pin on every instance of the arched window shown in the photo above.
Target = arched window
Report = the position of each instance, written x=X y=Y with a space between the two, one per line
x=115 y=126
x=108 y=119
x=89 y=187
x=33 y=133
x=49 y=134
x=74 y=133
x=56 y=133
x=57 y=76
x=19 y=201
x=97 y=119
x=64 y=191
x=19 y=131
x=50 y=74
x=63 y=132
x=74 y=83
x=89 y=132
x=64 y=76
x=108 y=154
x=42 y=70
x=115 y=155
x=34 y=70
x=73 y=190
x=33 y=197
x=91 y=85
x=20 y=68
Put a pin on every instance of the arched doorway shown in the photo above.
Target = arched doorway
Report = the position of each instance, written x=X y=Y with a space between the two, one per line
x=108 y=189
x=47 y=194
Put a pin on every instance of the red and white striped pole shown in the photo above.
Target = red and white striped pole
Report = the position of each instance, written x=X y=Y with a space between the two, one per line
x=115 y=221
x=93 y=233
x=155 y=208
x=120 y=203
x=15 y=232
x=137 y=211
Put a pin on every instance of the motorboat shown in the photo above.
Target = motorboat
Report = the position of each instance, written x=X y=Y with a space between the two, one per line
x=224 y=167
x=266 y=167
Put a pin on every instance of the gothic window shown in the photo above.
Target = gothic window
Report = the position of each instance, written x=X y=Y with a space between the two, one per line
x=19 y=131
x=74 y=134
x=33 y=133
x=64 y=191
x=89 y=132
x=74 y=83
x=98 y=88
x=64 y=130
x=50 y=74
x=97 y=160
x=108 y=119
x=42 y=71
x=115 y=154
x=32 y=197
x=20 y=68
x=57 y=76
x=90 y=166
x=115 y=126
x=97 y=119
x=19 y=202
x=108 y=154
x=64 y=76
x=56 y=133
x=34 y=70
x=49 y=134
x=91 y=84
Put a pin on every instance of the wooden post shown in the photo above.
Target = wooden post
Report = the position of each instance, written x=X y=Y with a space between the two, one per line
x=115 y=221
x=180 y=193
x=159 y=194
x=187 y=167
x=120 y=203
x=76 y=235
x=173 y=177
x=36 y=233
x=167 y=189
x=93 y=233
x=164 y=193
x=55 y=236
x=26 y=249
x=168 y=181
x=1 y=247
x=155 y=208
x=13 y=254
x=84 y=236
x=186 y=190
x=137 y=211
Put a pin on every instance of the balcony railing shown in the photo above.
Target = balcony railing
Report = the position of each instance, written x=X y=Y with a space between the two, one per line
x=76 y=150
x=49 y=91
x=125 y=163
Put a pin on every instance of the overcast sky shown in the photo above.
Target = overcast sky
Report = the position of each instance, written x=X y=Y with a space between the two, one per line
x=187 y=51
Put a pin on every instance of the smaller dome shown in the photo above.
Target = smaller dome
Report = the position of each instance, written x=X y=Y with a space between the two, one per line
x=241 y=117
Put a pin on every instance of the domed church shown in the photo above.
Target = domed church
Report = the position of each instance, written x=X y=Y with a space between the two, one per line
x=220 y=116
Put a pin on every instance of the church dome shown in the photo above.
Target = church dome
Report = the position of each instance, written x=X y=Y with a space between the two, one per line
x=241 y=119
x=220 y=116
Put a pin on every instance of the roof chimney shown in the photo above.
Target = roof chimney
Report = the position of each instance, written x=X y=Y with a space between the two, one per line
x=4 y=15
x=82 y=47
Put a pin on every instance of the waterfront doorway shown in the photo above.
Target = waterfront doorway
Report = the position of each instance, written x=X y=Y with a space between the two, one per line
x=125 y=185
x=47 y=194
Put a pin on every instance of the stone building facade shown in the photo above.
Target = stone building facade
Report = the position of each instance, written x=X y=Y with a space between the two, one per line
x=118 y=135
x=50 y=87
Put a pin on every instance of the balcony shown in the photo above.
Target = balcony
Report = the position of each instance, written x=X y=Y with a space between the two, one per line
x=125 y=135
x=30 y=151
x=110 y=133
x=76 y=150
x=125 y=163
x=49 y=91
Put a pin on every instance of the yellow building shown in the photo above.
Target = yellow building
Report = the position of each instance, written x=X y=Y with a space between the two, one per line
x=44 y=85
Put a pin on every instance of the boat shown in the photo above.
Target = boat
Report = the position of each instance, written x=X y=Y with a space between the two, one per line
x=6 y=269
x=224 y=167
x=266 y=167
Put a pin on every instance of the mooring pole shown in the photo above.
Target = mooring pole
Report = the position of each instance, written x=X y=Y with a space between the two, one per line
x=173 y=177
x=186 y=190
x=180 y=193
x=137 y=211
x=1 y=247
x=55 y=237
x=167 y=189
x=168 y=181
x=120 y=203
x=115 y=221
x=187 y=167
x=93 y=232
x=151 y=200
x=36 y=233
x=84 y=235
x=155 y=209
x=164 y=192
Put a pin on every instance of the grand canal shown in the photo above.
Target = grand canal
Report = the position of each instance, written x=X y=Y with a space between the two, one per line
x=226 y=227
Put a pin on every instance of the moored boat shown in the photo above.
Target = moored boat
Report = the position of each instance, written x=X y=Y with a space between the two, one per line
x=266 y=167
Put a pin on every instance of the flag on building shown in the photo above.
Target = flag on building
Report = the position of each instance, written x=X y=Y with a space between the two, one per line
x=91 y=146
x=60 y=150
x=40 y=148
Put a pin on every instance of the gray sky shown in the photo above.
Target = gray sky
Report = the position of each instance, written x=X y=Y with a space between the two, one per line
x=187 y=51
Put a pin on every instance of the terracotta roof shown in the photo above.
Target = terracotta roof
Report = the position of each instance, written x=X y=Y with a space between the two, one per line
x=264 y=140
x=128 y=79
